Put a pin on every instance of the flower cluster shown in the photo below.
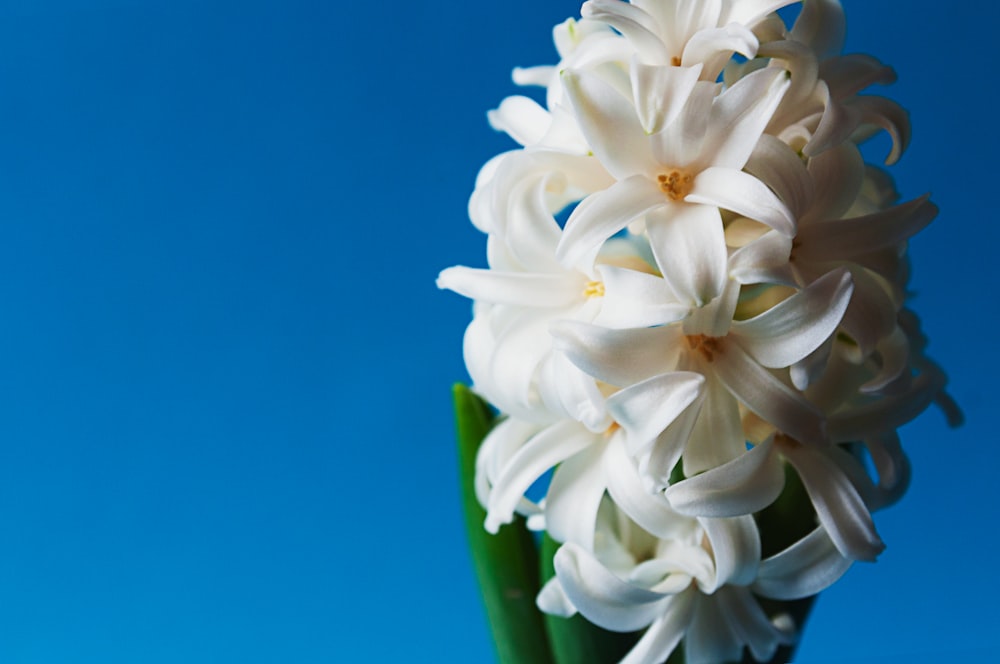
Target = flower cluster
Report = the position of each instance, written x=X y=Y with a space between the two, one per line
x=696 y=291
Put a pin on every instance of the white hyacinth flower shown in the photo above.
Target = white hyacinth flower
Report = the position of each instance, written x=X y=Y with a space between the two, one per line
x=712 y=356
x=679 y=178
x=508 y=349
x=697 y=584
x=683 y=33
x=668 y=415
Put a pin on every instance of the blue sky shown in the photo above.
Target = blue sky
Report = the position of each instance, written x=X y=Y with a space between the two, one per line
x=225 y=426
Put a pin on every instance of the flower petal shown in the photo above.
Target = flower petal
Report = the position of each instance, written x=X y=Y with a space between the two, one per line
x=685 y=19
x=740 y=114
x=849 y=74
x=735 y=545
x=517 y=288
x=718 y=436
x=892 y=465
x=775 y=164
x=690 y=250
x=889 y=412
x=882 y=113
x=792 y=329
x=521 y=118
x=710 y=638
x=602 y=597
x=750 y=623
x=657 y=466
x=871 y=315
x=636 y=299
x=894 y=355
x=838 y=174
x=568 y=391
x=541 y=453
x=631 y=21
x=646 y=409
x=649 y=510
x=732 y=189
x=618 y=357
x=502 y=363
x=601 y=215
x=665 y=633
x=715 y=318
x=748 y=12
x=714 y=47
x=681 y=143
x=574 y=496
x=553 y=601
x=610 y=125
x=767 y=396
x=745 y=485
x=500 y=444
x=810 y=565
x=661 y=92
x=762 y=261
x=840 y=239
x=821 y=25
x=838 y=504
x=837 y=122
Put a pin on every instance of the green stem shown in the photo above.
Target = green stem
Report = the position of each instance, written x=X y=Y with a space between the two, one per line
x=506 y=564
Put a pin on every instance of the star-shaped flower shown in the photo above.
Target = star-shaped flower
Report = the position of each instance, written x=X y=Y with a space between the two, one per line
x=679 y=178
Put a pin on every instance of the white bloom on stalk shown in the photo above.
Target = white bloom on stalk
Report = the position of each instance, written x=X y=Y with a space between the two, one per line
x=507 y=346
x=825 y=195
x=682 y=384
x=686 y=32
x=583 y=44
x=723 y=308
x=516 y=453
x=822 y=108
x=695 y=583
x=679 y=177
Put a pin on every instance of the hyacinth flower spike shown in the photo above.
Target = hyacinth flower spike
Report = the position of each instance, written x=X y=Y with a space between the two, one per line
x=693 y=332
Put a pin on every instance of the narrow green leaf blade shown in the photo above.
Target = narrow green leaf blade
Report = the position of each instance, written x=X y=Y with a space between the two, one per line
x=506 y=563
x=576 y=640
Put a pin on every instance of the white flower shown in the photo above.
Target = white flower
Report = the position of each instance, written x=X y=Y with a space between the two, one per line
x=822 y=109
x=507 y=346
x=583 y=44
x=723 y=309
x=682 y=384
x=686 y=32
x=677 y=178
x=824 y=196
x=696 y=584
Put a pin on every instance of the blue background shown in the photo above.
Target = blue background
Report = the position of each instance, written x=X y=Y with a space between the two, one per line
x=225 y=425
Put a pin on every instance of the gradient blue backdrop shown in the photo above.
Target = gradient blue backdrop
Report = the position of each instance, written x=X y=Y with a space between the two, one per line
x=225 y=426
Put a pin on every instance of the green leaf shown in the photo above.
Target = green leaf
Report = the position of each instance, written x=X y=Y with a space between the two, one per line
x=575 y=640
x=506 y=563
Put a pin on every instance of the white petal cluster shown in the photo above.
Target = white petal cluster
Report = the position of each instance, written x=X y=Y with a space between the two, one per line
x=695 y=283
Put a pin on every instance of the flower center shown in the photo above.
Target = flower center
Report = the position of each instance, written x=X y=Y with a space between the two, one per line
x=675 y=183
x=707 y=347
x=594 y=289
x=675 y=61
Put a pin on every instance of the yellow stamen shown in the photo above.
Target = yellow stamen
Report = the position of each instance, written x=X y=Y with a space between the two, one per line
x=675 y=183
x=675 y=61
x=594 y=289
